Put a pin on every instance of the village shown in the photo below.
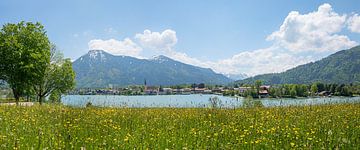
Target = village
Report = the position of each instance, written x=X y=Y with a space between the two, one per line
x=258 y=90
x=173 y=90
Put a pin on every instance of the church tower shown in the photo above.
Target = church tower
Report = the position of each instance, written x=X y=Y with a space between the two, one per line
x=145 y=86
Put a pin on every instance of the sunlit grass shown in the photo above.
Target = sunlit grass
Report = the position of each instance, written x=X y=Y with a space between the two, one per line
x=61 y=127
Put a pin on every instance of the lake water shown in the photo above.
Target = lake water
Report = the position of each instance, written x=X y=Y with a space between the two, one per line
x=192 y=101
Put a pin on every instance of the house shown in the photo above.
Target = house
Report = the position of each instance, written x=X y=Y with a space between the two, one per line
x=198 y=90
x=165 y=91
x=186 y=91
x=324 y=93
x=207 y=91
x=151 y=90
x=243 y=89
x=217 y=90
x=264 y=91
x=265 y=87
x=177 y=91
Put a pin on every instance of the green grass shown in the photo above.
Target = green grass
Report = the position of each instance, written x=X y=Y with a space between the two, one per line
x=11 y=100
x=6 y=100
x=60 y=127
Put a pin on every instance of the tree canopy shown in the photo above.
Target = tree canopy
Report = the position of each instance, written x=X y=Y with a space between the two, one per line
x=59 y=76
x=30 y=65
x=24 y=55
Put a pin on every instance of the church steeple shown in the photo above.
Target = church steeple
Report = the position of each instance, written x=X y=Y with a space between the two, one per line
x=145 y=86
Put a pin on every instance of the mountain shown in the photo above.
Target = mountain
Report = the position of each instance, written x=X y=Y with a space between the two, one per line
x=236 y=76
x=98 y=69
x=340 y=67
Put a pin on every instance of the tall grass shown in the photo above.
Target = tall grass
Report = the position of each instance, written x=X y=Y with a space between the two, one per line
x=61 y=127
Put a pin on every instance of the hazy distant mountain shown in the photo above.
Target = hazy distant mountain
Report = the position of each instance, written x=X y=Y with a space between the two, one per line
x=100 y=69
x=341 y=67
x=236 y=76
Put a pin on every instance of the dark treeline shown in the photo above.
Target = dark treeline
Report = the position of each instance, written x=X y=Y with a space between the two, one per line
x=316 y=89
x=300 y=90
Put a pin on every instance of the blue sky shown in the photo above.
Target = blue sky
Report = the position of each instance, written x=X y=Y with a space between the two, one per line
x=227 y=36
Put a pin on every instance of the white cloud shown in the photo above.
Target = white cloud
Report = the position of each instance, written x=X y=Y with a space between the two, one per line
x=354 y=23
x=272 y=59
x=315 y=31
x=163 y=41
x=260 y=61
x=126 y=47
x=301 y=38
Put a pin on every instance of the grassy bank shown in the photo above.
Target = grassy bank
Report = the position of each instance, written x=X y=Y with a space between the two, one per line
x=60 y=127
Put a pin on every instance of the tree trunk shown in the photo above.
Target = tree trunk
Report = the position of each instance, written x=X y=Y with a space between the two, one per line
x=16 y=95
x=41 y=97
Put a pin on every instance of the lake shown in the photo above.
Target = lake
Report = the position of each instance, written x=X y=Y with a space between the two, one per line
x=192 y=101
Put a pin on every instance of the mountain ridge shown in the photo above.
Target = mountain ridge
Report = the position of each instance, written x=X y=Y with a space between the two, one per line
x=342 y=67
x=99 y=69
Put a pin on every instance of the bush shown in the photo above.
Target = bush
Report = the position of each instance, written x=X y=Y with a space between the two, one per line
x=89 y=104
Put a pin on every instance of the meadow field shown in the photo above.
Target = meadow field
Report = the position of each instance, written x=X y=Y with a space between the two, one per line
x=62 y=127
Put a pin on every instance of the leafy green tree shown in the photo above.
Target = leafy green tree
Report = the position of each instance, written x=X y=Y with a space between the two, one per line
x=332 y=88
x=251 y=92
x=236 y=86
x=314 y=88
x=55 y=97
x=258 y=83
x=320 y=86
x=293 y=92
x=303 y=91
x=278 y=92
x=59 y=76
x=24 y=55
x=272 y=92
x=201 y=85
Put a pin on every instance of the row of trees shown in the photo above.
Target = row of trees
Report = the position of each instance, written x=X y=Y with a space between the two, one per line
x=299 y=90
x=30 y=64
x=305 y=90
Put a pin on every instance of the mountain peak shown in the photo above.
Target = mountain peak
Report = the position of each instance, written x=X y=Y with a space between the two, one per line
x=161 y=58
x=97 y=54
x=239 y=76
x=92 y=51
x=100 y=69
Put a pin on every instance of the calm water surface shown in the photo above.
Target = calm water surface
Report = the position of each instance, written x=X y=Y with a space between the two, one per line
x=192 y=101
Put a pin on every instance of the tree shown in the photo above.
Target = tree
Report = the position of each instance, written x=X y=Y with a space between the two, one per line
x=193 y=86
x=320 y=86
x=59 y=76
x=24 y=55
x=332 y=88
x=201 y=85
x=293 y=92
x=236 y=86
x=278 y=92
x=314 y=88
x=258 y=83
x=55 y=97
x=303 y=92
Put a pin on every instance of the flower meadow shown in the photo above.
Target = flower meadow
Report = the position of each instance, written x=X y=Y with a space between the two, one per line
x=62 y=127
